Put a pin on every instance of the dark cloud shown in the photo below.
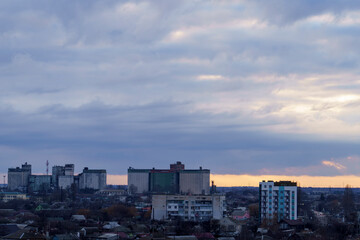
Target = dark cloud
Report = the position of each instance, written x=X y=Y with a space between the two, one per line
x=153 y=135
x=258 y=86
x=287 y=12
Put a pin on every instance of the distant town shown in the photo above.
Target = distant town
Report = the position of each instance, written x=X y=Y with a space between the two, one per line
x=175 y=203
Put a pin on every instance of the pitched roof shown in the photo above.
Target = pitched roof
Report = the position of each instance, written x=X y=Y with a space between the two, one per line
x=6 y=229
x=293 y=222
x=25 y=234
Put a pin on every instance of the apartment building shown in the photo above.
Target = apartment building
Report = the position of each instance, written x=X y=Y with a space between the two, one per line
x=188 y=207
x=278 y=200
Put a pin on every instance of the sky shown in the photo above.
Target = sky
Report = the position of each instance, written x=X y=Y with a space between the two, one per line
x=243 y=88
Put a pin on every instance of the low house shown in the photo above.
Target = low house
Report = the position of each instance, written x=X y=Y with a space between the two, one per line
x=108 y=236
x=122 y=235
x=181 y=237
x=226 y=238
x=264 y=237
x=229 y=225
x=78 y=218
x=111 y=225
x=8 y=196
x=85 y=231
x=240 y=214
x=65 y=237
x=286 y=224
x=6 y=229
x=26 y=233
x=122 y=228
x=204 y=236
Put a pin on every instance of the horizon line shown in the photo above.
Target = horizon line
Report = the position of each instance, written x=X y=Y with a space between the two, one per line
x=250 y=180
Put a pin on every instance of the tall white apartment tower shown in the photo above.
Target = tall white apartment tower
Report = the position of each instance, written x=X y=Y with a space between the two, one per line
x=278 y=200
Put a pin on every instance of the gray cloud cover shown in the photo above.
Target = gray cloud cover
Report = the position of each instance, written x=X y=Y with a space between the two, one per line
x=235 y=86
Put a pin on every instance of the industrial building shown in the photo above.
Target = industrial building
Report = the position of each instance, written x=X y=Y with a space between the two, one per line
x=92 y=179
x=39 y=183
x=66 y=181
x=18 y=177
x=176 y=180
x=62 y=177
x=188 y=207
x=278 y=200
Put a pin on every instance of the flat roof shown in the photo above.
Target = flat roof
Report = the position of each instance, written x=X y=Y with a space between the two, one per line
x=133 y=170
x=94 y=171
x=282 y=183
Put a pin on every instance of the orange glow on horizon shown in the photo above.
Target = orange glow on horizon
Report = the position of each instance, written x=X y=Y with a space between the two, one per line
x=231 y=180
x=228 y=180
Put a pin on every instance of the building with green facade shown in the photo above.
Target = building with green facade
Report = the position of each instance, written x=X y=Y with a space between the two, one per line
x=176 y=180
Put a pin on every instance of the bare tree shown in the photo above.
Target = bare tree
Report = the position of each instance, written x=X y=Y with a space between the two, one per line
x=348 y=204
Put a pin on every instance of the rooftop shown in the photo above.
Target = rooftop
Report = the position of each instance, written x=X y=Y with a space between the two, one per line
x=283 y=183
x=86 y=170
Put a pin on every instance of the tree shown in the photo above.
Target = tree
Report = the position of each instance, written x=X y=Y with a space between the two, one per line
x=120 y=211
x=73 y=191
x=254 y=210
x=132 y=189
x=84 y=211
x=348 y=204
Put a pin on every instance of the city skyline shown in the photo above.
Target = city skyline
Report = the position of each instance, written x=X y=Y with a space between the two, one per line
x=245 y=88
x=243 y=180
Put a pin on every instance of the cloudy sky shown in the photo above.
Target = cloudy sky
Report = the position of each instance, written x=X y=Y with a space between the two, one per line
x=239 y=87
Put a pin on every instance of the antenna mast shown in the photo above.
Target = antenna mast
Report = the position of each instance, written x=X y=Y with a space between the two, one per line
x=47 y=167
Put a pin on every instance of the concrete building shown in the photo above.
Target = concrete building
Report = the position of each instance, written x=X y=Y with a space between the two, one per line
x=194 y=181
x=138 y=180
x=175 y=180
x=278 y=200
x=8 y=196
x=188 y=207
x=69 y=169
x=92 y=179
x=65 y=182
x=18 y=177
x=39 y=183
x=66 y=173
x=56 y=172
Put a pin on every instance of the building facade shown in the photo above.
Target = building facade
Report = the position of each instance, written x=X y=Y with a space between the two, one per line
x=39 y=183
x=69 y=169
x=65 y=182
x=176 y=180
x=8 y=196
x=138 y=180
x=56 y=172
x=194 y=181
x=92 y=179
x=278 y=200
x=62 y=176
x=188 y=207
x=18 y=177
